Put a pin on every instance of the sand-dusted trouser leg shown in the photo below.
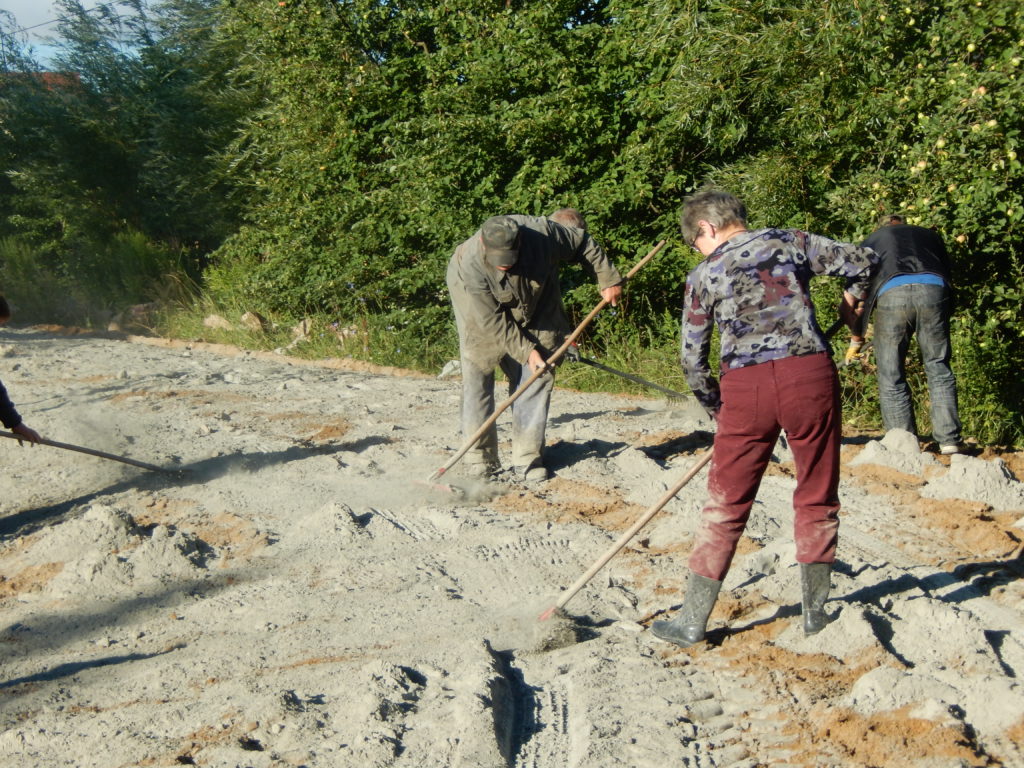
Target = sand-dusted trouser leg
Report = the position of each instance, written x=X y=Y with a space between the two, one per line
x=477 y=407
x=690 y=624
x=801 y=396
x=816 y=580
x=529 y=412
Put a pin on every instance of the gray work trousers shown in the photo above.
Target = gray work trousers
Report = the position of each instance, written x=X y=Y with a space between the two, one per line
x=529 y=413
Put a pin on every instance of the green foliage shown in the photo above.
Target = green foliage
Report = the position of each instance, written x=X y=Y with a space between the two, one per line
x=109 y=165
x=128 y=269
x=358 y=141
x=34 y=291
x=625 y=346
x=987 y=341
x=406 y=339
x=430 y=118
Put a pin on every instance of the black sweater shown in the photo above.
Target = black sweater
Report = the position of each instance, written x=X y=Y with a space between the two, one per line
x=904 y=249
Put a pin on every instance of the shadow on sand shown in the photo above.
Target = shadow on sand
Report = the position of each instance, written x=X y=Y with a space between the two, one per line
x=28 y=520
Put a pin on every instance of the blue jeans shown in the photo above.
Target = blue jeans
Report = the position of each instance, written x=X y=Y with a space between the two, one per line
x=902 y=312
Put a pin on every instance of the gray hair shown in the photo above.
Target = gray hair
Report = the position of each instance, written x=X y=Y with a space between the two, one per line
x=569 y=217
x=714 y=206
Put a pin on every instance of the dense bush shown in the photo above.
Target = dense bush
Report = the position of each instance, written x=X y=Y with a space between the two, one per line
x=360 y=140
x=391 y=130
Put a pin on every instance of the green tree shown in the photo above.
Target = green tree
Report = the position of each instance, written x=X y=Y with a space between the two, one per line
x=389 y=131
x=120 y=144
x=358 y=140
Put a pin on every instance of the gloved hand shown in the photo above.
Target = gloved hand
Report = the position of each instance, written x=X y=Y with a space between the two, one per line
x=572 y=354
x=853 y=351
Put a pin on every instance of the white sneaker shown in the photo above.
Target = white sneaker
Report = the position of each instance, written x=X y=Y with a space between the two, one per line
x=949 y=449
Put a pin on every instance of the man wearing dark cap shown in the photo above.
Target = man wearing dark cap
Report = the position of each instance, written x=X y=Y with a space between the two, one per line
x=508 y=309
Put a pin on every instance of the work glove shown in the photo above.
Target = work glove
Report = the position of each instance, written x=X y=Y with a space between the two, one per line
x=853 y=353
x=572 y=354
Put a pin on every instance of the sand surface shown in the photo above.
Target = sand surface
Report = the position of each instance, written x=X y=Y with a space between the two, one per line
x=294 y=594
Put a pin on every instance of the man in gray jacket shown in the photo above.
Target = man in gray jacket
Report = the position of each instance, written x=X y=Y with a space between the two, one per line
x=508 y=309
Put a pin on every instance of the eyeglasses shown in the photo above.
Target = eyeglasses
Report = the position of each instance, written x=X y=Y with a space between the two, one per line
x=696 y=237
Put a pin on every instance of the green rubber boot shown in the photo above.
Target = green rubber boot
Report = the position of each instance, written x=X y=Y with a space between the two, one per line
x=690 y=624
x=816 y=578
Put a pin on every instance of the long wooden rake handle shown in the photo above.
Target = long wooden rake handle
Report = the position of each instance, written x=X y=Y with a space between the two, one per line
x=554 y=358
x=624 y=539
x=90 y=451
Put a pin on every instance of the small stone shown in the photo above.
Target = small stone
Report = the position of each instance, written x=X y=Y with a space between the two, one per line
x=216 y=321
x=254 y=321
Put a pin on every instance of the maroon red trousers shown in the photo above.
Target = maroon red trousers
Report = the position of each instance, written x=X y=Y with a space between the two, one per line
x=801 y=396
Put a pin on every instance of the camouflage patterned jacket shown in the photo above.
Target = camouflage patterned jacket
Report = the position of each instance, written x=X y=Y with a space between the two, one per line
x=511 y=313
x=755 y=289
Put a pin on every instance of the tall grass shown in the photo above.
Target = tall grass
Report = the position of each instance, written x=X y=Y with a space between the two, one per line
x=35 y=292
x=95 y=282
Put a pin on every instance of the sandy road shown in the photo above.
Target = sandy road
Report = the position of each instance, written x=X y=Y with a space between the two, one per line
x=296 y=597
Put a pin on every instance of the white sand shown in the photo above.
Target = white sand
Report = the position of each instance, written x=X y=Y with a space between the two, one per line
x=300 y=597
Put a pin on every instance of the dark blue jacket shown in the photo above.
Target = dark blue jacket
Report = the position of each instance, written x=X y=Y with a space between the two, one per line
x=8 y=414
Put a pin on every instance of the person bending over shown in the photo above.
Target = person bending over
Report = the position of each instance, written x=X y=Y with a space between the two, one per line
x=508 y=308
x=911 y=294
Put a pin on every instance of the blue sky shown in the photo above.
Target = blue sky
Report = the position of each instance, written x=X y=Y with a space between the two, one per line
x=31 y=13
x=35 y=14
